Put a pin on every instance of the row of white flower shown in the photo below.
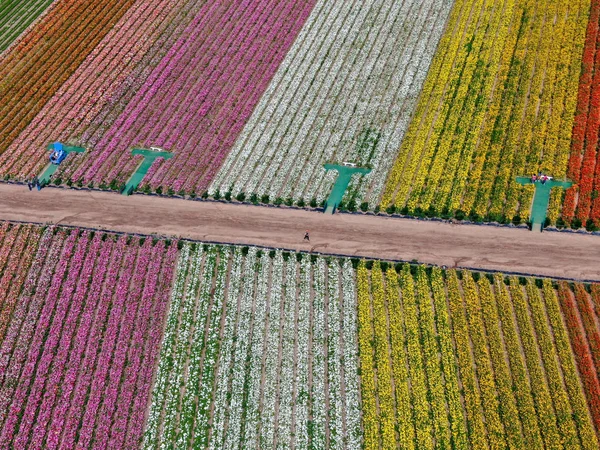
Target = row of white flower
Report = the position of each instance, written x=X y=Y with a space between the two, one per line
x=334 y=359
x=352 y=406
x=356 y=68
x=228 y=344
x=274 y=322
x=165 y=365
x=258 y=351
x=232 y=432
x=286 y=374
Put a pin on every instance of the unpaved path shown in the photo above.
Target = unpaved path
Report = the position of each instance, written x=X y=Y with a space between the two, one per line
x=567 y=255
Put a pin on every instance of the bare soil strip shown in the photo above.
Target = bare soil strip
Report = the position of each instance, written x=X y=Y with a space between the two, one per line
x=563 y=255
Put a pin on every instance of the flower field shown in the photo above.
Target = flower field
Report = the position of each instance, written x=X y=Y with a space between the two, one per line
x=33 y=70
x=15 y=17
x=345 y=92
x=82 y=317
x=129 y=342
x=581 y=201
x=167 y=85
x=445 y=101
x=499 y=101
x=259 y=351
x=456 y=360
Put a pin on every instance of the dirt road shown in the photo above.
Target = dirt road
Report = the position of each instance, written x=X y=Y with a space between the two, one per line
x=565 y=255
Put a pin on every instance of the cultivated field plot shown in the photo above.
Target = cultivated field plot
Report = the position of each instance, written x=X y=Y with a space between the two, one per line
x=451 y=362
x=259 y=351
x=129 y=342
x=345 y=92
x=82 y=317
x=581 y=201
x=498 y=102
x=16 y=16
x=161 y=74
x=39 y=64
x=445 y=101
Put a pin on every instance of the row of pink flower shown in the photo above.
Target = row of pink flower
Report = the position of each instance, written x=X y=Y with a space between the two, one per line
x=135 y=388
x=33 y=386
x=12 y=278
x=251 y=73
x=167 y=72
x=144 y=383
x=27 y=372
x=198 y=99
x=73 y=303
x=168 y=69
x=180 y=15
x=99 y=83
x=82 y=344
x=86 y=376
x=81 y=340
x=17 y=342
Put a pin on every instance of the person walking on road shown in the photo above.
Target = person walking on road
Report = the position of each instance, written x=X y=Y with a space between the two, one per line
x=33 y=183
x=306 y=236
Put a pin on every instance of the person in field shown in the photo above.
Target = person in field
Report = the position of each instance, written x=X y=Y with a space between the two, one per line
x=306 y=236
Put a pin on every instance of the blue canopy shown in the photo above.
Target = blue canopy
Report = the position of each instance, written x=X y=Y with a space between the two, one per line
x=58 y=147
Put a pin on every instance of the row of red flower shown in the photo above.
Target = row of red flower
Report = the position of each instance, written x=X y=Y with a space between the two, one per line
x=582 y=344
x=580 y=200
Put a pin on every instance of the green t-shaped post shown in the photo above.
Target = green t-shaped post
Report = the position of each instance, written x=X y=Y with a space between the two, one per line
x=149 y=158
x=341 y=183
x=47 y=173
x=541 y=199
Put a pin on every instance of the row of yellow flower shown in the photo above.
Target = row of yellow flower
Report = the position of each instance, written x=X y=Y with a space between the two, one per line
x=465 y=364
x=431 y=361
x=522 y=386
x=552 y=107
x=465 y=135
x=365 y=336
x=535 y=120
x=543 y=401
x=581 y=414
x=406 y=428
x=441 y=140
x=485 y=373
x=562 y=406
x=500 y=115
x=385 y=395
x=527 y=50
x=442 y=322
x=407 y=163
x=421 y=406
x=497 y=102
x=504 y=382
x=497 y=49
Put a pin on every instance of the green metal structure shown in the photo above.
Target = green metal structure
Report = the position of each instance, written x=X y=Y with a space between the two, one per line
x=541 y=199
x=149 y=158
x=47 y=173
x=341 y=184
